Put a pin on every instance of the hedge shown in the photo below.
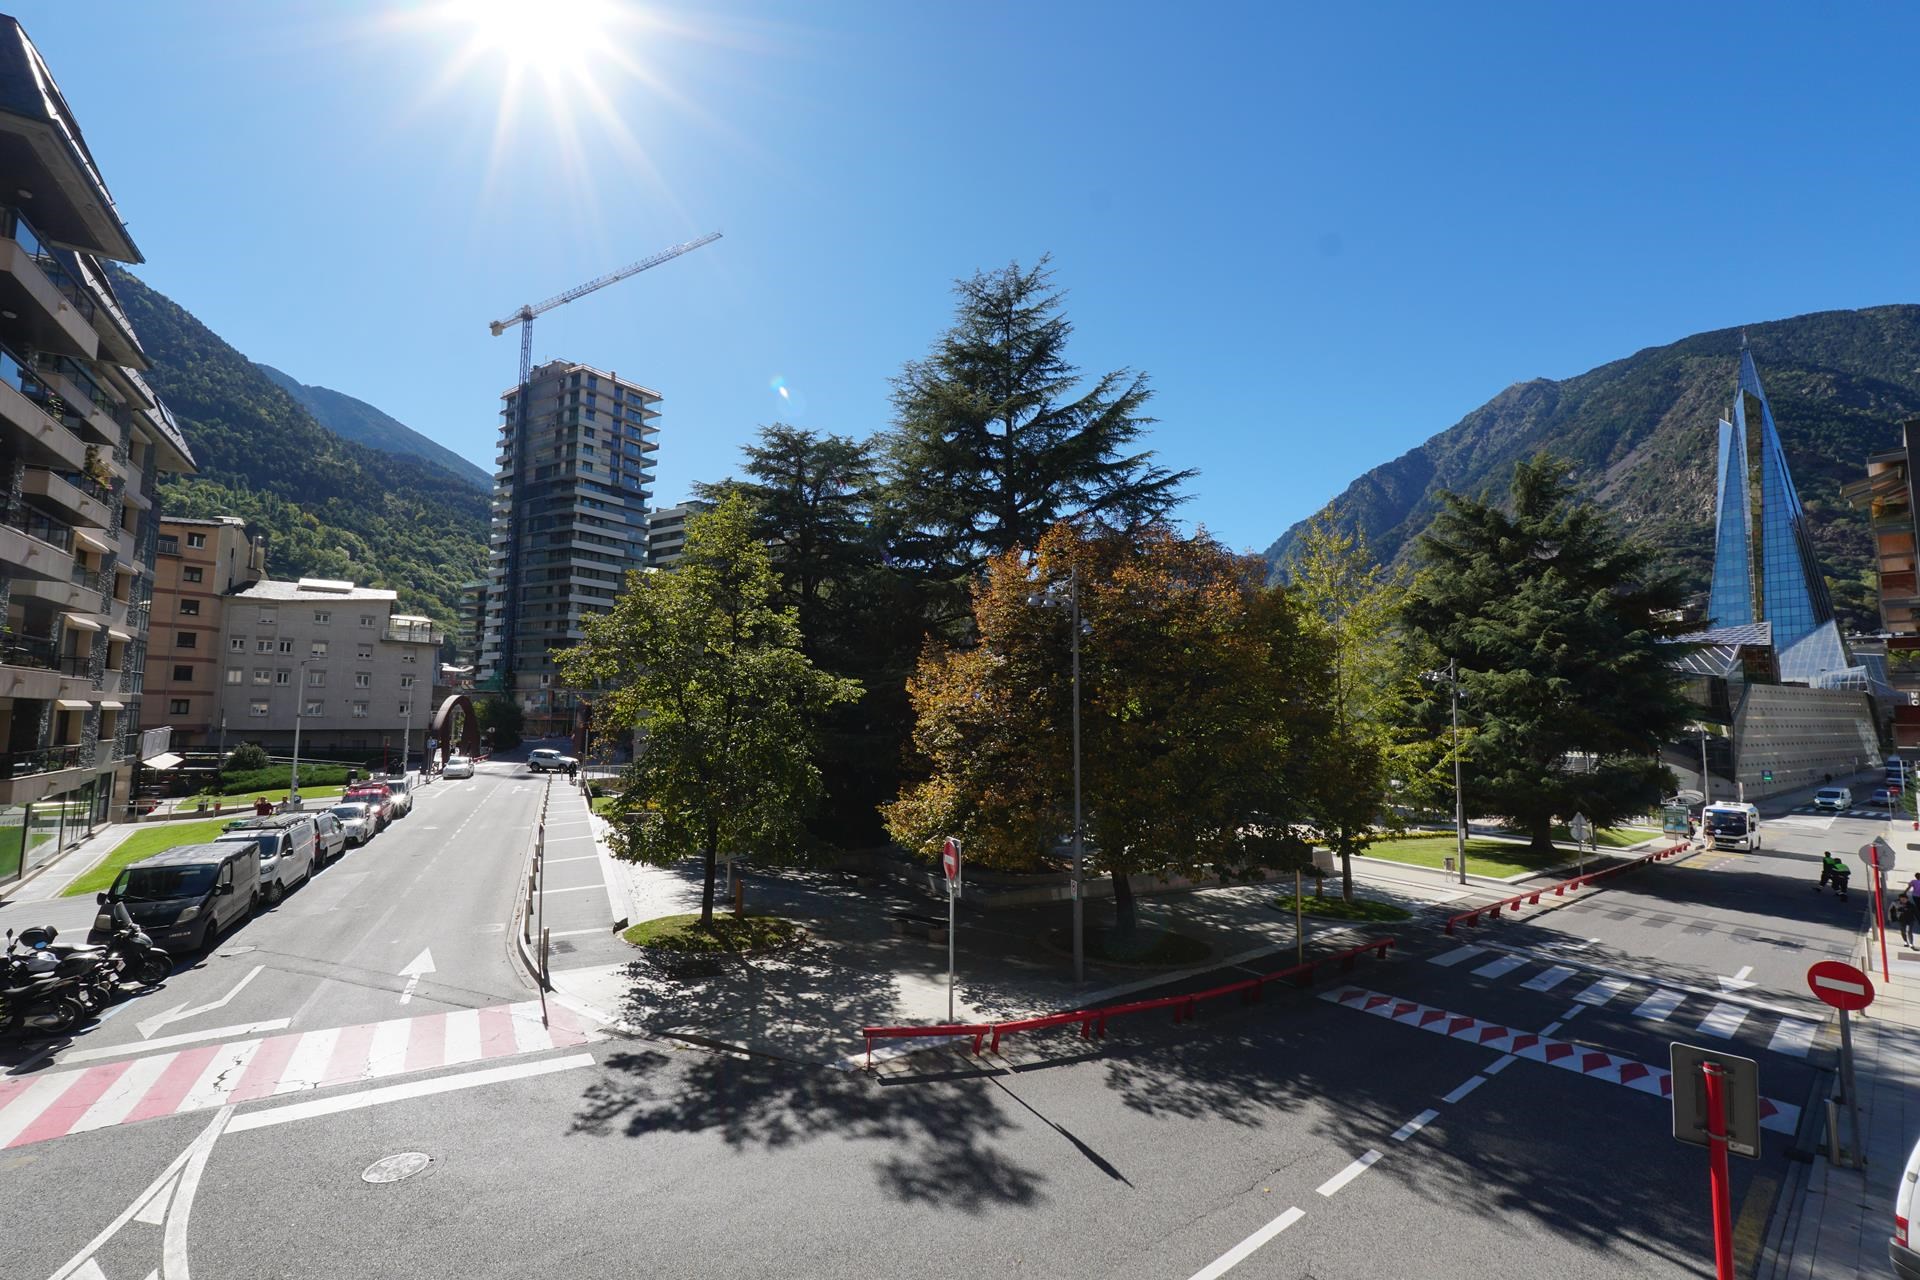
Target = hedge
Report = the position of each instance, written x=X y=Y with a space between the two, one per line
x=281 y=775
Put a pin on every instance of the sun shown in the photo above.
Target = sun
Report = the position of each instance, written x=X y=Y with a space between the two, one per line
x=554 y=39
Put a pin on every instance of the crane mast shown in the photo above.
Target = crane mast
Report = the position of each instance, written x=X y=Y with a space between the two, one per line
x=524 y=317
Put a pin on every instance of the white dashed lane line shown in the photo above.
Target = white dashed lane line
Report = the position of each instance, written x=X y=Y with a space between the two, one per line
x=1348 y=1174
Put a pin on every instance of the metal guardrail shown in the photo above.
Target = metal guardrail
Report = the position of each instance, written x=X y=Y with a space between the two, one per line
x=1532 y=896
x=533 y=918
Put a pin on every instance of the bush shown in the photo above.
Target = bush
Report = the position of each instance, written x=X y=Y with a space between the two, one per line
x=503 y=718
x=246 y=758
x=280 y=775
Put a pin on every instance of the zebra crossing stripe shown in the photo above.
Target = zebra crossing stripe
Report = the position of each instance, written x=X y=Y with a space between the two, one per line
x=1602 y=991
x=1657 y=1006
x=1456 y=955
x=1550 y=979
x=1793 y=1037
x=1723 y=1020
x=39 y=1108
x=1499 y=968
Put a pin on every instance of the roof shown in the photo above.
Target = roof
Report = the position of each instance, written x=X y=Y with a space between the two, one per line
x=184 y=854
x=1716 y=651
x=211 y=522
x=309 y=589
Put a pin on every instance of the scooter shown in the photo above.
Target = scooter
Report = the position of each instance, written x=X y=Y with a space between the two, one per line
x=46 y=998
x=128 y=953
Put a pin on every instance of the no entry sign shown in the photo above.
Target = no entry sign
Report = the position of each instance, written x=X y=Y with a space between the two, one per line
x=950 y=859
x=1840 y=985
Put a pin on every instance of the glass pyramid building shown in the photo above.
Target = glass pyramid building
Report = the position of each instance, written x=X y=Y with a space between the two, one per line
x=1779 y=581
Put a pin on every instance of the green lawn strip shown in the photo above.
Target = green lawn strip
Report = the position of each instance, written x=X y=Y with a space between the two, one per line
x=603 y=805
x=729 y=936
x=276 y=795
x=1612 y=837
x=1337 y=908
x=1484 y=857
x=142 y=844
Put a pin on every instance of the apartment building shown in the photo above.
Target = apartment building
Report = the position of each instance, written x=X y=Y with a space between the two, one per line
x=198 y=563
x=569 y=520
x=83 y=441
x=333 y=658
x=1891 y=498
x=667 y=533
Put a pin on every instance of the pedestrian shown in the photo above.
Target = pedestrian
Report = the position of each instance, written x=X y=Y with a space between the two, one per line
x=1826 y=869
x=263 y=806
x=1905 y=909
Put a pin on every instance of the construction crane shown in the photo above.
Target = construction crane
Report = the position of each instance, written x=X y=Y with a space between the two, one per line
x=524 y=317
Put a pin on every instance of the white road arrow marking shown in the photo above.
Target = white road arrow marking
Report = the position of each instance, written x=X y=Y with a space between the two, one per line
x=421 y=964
x=1738 y=982
x=179 y=1013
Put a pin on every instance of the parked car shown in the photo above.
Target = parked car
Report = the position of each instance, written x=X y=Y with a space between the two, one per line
x=1833 y=798
x=458 y=767
x=547 y=760
x=329 y=837
x=402 y=786
x=287 y=850
x=1906 y=1199
x=1884 y=795
x=377 y=796
x=356 y=821
x=186 y=895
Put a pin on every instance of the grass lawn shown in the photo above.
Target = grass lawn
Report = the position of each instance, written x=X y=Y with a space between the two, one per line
x=275 y=794
x=1484 y=857
x=144 y=843
x=1612 y=837
x=1334 y=907
x=729 y=936
x=603 y=805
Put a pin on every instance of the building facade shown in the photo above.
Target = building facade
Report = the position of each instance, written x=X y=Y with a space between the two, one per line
x=1891 y=499
x=198 y=564
x=667 y=533
x=331 y=658
x=83 y=441
x=569 y=520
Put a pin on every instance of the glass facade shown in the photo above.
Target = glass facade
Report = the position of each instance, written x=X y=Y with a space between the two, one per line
x=1731 y=602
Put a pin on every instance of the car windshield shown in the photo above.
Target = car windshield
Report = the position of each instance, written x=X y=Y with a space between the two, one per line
x=157 y=884
x=1727 y=824
x=349 y=811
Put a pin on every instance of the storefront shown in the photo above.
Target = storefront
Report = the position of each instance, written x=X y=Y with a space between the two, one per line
x=32 y=834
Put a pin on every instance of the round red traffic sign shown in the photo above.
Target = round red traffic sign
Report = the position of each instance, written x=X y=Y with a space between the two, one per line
x=950 y=858
x=1840 y=985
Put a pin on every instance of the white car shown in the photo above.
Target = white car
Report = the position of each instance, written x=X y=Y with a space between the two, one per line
x=286 y=850
x=329 y=837
x=547 y=760
x=458 y=767
x=1906 y=1201
x=356 y=821
x=1833 y=798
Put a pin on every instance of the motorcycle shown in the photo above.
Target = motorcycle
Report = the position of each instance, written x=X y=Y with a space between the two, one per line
x=128 y=953
x=43 y=994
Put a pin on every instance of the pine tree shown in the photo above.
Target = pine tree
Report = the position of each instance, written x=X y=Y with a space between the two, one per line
x=1558 y=624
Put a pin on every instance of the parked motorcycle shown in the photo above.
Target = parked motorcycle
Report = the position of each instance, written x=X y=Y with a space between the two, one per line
x=42 y=994
x=128 y=954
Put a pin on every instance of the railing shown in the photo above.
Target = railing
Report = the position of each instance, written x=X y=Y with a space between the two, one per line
x=414 y=633
x=1532 y=896
x=18 y=229
x=23 y=764
x=1093 y=1022
x=18 y=649
x=35 y=525
x=87 y=485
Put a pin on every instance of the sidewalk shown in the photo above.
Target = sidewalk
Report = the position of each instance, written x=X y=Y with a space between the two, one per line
x=1834 y=1225
x=809 y=1003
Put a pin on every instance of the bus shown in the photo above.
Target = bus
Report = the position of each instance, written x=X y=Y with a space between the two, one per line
x=1732 y=826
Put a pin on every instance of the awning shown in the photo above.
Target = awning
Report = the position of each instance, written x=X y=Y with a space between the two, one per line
x=71 y=704
x=117 y=634
x=165 y=760
x=111 y=705
x=75 y=620
x=92 y=539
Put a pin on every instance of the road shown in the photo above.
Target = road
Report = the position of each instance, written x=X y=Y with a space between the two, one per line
x=1326 y=1133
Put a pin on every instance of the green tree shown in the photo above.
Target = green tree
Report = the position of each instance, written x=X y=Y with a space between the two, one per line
x=705 y=663
x=996 y=439
x=1562 y=630
x=502 y=718
x=1182 y=725
x=1349 y=609
x=246 y=758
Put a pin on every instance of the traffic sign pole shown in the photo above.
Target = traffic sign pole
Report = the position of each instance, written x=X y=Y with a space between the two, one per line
x=1879 y=911
x=1853 y=1096
x=1720 y=1183
x=950 y=863
x=1849 y=990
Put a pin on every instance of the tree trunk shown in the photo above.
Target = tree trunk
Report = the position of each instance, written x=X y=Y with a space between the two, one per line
x=1542 y=836
x=1124 y=915
x=706 y=895
x=1346 y=875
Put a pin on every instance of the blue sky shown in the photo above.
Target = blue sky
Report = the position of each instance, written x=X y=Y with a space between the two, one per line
x=1325 y=231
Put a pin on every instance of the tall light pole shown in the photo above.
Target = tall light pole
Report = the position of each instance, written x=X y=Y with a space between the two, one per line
x=1047 y=597
x=299 y=714
x=1459 y=800
x=406 y=736
x=1706 y=787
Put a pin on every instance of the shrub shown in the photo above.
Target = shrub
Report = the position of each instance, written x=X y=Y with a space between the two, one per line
x=248 y=757
x=280 y=775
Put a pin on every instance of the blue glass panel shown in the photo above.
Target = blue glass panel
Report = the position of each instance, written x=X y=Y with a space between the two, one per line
x=1730 y=603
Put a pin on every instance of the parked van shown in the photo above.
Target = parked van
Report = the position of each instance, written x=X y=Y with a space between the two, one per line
x=1906 y=1202
x=286 y=844
x=403 y=786
x=1833 y=798
x=183 y=897
x=1731 y=825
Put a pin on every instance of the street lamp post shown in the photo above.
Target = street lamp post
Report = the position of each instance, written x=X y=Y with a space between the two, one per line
x=299 y=714
x=1044 y=598
x=1706 y=787
x=1459 y=795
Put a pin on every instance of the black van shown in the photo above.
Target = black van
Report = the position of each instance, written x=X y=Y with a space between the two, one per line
x=184 y=897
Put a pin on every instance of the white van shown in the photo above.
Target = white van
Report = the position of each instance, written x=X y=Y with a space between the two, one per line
x=1900 y=1251
x=1833 y=798
x=286 y=850
x=403 y=786
x=1731 y=826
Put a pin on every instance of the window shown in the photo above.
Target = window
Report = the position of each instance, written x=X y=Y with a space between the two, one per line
x=314 y=707
x=168 y=545
x=319 y=648
x=189 y=608
x=286 y=646
x=236 y=676
x=236 y=644
x=192 y=573
x=359 y=711
x=364 y=652
x=283 y=676
x=366 y=619
x=316 y=679
x=186 y=640
x=183 y=673
x=268 y=617
x=263 y=675
x=363 y=680
x=257 y=708
x=407 y=656
x=196 y=539
x=177 y=707
x=403 y=709
x=406 y=682
x=322 y=617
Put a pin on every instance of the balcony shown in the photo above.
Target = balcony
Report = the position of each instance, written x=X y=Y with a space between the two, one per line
x=22 y=764
x=53 y=310
x=84 y=499
x=416 y=632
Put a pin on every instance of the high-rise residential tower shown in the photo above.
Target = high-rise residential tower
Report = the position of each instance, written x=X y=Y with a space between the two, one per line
x=83 y=441
x=569 y=520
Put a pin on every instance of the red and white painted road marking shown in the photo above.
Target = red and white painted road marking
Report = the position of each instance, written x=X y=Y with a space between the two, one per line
x=1781 y=1117
x=36 y=1108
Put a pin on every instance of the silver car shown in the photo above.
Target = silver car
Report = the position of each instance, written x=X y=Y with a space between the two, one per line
x=356 y=821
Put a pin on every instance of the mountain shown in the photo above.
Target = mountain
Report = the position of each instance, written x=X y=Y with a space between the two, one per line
x=1641 y=433
x=360 y=422
x=330 y=508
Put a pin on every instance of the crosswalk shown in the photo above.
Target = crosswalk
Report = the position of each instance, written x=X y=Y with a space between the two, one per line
x=1654 y=1002
x=36 y=1108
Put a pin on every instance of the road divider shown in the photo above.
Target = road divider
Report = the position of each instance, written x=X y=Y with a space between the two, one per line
x=1093 y=1022
x=1532 y=896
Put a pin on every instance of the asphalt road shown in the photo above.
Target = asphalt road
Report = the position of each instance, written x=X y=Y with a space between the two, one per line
x=1238 y=1145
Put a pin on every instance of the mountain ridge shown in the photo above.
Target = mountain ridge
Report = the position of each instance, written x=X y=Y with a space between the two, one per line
x=1640 y=431
x=354 y=419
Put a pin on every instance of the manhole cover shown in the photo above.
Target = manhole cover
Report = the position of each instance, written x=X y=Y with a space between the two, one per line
x=396 y=1167
x=235 y=951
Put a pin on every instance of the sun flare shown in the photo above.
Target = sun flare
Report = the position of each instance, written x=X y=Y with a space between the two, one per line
x=555 y=39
